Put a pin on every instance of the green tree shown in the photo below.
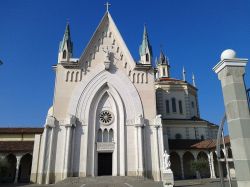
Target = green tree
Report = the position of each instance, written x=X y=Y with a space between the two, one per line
x=199 y=166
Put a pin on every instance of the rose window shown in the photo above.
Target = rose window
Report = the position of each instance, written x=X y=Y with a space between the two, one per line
x=106 y=117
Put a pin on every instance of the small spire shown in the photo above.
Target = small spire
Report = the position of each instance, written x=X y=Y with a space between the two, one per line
x=183 y=74
x=145 y=46
x=66 y=40
x=193 y=78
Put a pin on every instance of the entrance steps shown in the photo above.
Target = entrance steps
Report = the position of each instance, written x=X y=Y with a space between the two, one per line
x=109 y=181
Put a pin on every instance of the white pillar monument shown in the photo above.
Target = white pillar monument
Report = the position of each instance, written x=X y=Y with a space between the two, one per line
x=231 y=72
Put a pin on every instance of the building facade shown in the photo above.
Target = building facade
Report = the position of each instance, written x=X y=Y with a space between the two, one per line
x=112 y=115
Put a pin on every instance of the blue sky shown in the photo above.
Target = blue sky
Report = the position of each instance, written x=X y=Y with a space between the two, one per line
x=193 y=34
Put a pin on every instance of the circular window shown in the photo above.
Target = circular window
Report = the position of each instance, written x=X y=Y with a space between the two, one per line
x=106 y=117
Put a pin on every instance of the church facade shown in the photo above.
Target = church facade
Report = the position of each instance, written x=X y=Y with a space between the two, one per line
x=114 y=116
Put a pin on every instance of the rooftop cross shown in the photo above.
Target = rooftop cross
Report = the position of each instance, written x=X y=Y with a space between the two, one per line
x=107 y=6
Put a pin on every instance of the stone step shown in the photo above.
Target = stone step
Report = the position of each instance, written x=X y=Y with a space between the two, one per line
x=110 y=181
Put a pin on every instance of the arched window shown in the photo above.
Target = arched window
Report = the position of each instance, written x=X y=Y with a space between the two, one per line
x=105 y=135
x=163 y=72
x=202 y=137
x=99 y=135
x=167 y=107
x=174 y=104
x=178 y=136
x=64 y=54
x=180 y=107
x=192 y=103
x=111 y=135
x=147 y=57
x=133 y=77
x=72 y=76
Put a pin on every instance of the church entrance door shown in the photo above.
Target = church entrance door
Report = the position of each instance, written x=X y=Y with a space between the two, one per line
x=104 y=164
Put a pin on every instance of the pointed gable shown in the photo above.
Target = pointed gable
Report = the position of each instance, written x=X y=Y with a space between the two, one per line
x=107 y=35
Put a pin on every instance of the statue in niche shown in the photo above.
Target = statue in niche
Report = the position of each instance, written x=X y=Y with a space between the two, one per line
x=166 y=162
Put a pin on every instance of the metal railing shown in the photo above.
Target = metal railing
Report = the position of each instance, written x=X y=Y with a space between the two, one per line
x=220 y=140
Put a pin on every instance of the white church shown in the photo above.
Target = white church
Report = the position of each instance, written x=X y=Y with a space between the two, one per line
x=113 y=115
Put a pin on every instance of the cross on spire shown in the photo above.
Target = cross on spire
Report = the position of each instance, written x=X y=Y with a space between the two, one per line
x=107 y=4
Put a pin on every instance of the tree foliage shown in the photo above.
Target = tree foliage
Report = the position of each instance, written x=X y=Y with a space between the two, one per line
x=199 y=165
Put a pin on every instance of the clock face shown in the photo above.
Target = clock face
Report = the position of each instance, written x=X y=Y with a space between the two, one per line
x=106 y=117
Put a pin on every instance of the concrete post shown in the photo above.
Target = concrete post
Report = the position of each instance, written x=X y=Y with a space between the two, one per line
x=230 y=71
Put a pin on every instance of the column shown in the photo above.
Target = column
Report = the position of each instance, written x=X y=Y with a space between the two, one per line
x=195 y=158
x=43 y=153
x=68 y=123
x=211 y=164
x=18 y=159
x=67 y=151
x=231 y=72
x=72 y=152
x=50 y=156
x=139 y=151
x=182 y=166
x=157 y=155
x=139 y=124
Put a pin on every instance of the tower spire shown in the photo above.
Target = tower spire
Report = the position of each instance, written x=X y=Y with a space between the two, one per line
x=183 y=74
x=66 y=45
x=193 y=78
x=145 y=49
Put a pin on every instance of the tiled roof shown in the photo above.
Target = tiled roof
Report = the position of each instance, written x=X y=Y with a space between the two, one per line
x=170 y=79
x=195 y=144
x=21 y=130
x=16 y=146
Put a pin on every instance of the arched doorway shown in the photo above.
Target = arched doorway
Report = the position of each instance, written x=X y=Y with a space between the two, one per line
x=205 y=173
x=10 y=174
x=187 y=159
x=25 y=168
x=175 y=165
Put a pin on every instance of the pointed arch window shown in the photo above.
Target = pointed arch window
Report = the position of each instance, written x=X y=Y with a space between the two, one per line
x=64 y=54
x=173 y=104
x=164 y=72
x=147 y=57
x=167 y=107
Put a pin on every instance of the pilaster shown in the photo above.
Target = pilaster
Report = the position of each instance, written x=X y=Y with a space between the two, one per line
x=139 y=124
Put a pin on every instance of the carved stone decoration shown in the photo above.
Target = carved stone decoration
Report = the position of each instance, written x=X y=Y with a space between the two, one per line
x=106 y=117
x=158 y=122
x=105 y=146
x=139 y=121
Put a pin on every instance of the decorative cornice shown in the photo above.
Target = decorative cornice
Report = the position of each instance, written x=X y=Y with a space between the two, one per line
x=236 y=62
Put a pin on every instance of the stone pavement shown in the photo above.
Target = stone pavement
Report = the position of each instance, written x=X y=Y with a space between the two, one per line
x=124 y=182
